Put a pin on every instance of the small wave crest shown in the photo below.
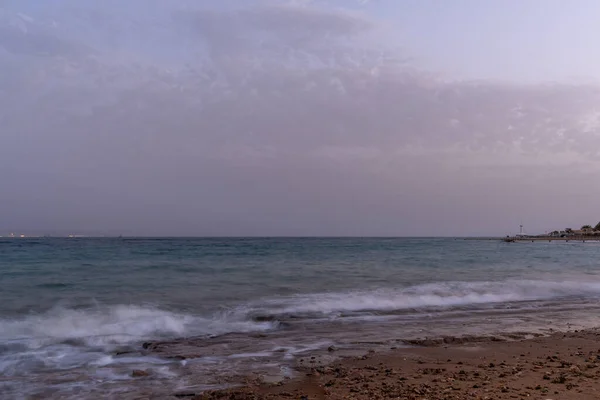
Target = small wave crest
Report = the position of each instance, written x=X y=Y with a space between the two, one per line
x=64 y=338
x=125 y=324
x=68 y=337
x=447 y=294
x=117 y=324
x=120 y=324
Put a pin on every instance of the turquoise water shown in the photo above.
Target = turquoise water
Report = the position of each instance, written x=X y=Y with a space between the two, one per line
x=68 y=307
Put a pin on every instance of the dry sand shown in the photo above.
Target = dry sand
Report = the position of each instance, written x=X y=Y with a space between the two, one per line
x=560 y=366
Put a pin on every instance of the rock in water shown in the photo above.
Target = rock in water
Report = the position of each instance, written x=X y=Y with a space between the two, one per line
x=138 y=373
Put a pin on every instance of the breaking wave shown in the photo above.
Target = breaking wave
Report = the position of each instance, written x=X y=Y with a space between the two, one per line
x=67 y=338
x=124 y=324
x=64 y=338
x=119 y=324
x=447 y=294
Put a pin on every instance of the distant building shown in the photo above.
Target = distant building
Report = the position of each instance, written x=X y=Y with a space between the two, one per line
x=587 y=231
x=521 y=231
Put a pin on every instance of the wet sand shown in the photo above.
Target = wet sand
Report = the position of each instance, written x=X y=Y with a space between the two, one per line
x=559 y=366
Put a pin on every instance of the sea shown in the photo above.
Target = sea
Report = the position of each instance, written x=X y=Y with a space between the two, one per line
x=79 y=315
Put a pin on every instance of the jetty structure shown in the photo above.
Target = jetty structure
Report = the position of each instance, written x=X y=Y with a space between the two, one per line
x=587 y=233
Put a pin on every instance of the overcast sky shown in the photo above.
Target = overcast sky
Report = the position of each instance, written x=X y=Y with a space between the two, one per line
x=298 y=117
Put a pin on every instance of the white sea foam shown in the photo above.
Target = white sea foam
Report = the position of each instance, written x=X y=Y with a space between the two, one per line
x=67 y=338
x=428 y=295
x=86 y=339
x=114 y=325
x=108 y=325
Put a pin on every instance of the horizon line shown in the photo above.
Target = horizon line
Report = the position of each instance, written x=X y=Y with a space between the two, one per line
x=83 y=236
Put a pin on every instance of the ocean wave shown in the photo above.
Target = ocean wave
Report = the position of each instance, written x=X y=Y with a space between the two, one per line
x=447 y=294
x=66 y=338
x=112 y=325
x=108 y=339
x=126 y=324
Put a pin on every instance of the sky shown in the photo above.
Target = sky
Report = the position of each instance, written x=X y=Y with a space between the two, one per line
x=298 y=117
x=523 y=41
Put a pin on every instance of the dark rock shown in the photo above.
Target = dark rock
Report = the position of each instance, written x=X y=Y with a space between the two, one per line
x=183 y=395
x=264 y=318
x=124 y=351
x=138 y=373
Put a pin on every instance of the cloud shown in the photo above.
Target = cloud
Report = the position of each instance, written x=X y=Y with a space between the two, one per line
x=21 y=36
x=309 y=23
x=289 y=114
x=279 y=34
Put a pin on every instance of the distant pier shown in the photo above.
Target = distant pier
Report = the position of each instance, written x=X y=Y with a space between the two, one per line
x=525 y=239
x=573 y=238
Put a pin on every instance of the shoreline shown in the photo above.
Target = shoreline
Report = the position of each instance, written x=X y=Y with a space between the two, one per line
x=563 y=365
x=542 y=238
x=579 y=238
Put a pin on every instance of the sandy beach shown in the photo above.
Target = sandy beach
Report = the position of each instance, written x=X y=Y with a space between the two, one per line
x=559 y=366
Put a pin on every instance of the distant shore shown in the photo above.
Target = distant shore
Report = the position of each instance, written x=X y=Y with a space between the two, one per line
x=540 y=238
x=560 y=366
x=574 y=238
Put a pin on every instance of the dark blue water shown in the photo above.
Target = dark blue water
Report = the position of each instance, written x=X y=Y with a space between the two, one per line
x=68 y=305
